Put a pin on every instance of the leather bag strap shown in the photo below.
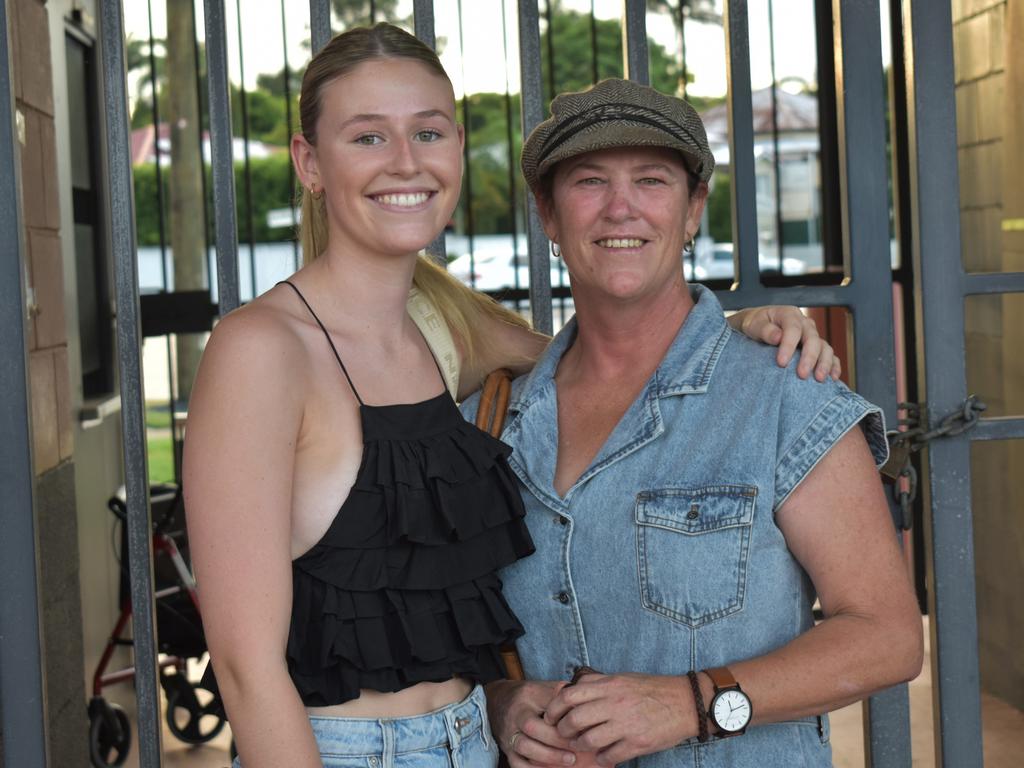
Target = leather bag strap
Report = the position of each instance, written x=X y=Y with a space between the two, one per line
x=490 y=417
x=490 y=413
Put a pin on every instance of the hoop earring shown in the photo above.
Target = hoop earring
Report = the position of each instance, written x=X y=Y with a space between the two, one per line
x=690 y=246
x=556 y=251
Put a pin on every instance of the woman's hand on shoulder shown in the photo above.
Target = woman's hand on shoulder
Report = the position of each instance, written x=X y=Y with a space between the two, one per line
x=788 y=328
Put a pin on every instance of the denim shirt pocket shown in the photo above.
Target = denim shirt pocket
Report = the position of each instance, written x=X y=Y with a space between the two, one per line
x=691 y=546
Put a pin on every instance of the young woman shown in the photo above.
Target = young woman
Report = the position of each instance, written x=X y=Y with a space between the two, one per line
x=346 y=524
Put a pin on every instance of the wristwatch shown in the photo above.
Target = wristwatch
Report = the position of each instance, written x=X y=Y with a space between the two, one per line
x=730 y=709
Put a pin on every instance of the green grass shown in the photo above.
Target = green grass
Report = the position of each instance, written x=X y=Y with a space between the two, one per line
x=158 y=417
x=161 y=459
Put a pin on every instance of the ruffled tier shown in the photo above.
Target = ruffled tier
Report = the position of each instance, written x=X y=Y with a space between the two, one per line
x=424 y=514
x=388 y=640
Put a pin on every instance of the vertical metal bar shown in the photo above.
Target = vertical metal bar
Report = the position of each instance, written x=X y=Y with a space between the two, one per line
x=634 y=41
x=22 y=709
x=860 y=110
x=224 y=224
x=467 y=197
x=129 y=345
x=513 y=170
x=594 y=74
x=776 y=155
x=200 y=76
x=741 y=143
x=831 y=217
x=549 y=48
x=287 y=86
x=935 y=207
x=533 y=113
x=247 y=161
x=423 y=24
x=319 y=23
x=423 y=21
x=161 y=225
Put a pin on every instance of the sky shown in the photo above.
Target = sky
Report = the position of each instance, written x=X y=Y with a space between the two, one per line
x=488 y=43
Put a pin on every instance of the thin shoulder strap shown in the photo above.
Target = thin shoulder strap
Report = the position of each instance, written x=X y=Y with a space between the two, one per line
x=334 y=349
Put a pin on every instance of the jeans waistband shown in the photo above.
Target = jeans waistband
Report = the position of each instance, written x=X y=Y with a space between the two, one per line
x=355 y=736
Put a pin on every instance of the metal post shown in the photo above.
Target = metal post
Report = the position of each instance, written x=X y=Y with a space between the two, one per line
x=938 y=271
x=129 y=345
x=319 y=23
x=423 y=23
x=634 y=41
x=221 y=151
x=23 y=723
x=533 y=113
x=860 y=107
x=741 y=144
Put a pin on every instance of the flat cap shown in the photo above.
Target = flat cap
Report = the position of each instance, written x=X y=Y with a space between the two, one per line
x=616 y=113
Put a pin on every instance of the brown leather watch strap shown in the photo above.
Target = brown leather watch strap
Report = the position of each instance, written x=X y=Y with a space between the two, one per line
x=721 y=678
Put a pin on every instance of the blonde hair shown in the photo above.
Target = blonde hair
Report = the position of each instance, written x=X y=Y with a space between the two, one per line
x=461 y=307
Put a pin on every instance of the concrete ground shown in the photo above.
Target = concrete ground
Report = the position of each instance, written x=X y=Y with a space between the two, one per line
x=1002 y=738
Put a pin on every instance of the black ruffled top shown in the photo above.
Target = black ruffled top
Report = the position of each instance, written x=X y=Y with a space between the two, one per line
x=402 y=589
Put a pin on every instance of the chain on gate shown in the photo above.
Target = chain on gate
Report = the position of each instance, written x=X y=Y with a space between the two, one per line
x=905 y=442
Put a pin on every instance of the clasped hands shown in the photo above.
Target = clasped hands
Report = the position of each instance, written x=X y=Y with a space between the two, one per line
x=602 y=720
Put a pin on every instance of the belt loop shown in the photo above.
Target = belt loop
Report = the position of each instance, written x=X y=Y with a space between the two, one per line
x=480 y=702
x=388 y=732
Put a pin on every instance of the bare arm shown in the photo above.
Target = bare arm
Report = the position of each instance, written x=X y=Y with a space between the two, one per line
x=244 y=417
x=838 y=526
x=507 y=346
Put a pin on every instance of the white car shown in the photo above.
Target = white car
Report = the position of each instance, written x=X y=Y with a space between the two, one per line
x=715 y=263
x=496 y=269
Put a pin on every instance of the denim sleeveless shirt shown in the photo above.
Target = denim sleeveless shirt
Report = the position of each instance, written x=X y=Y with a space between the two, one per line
x=665 y=556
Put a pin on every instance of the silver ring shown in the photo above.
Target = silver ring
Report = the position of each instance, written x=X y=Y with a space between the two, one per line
x=512 y=740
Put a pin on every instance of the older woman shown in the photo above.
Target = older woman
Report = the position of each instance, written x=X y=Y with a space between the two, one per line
x=688 y=499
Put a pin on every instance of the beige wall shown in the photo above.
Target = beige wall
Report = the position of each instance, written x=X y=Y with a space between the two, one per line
x=989 y=52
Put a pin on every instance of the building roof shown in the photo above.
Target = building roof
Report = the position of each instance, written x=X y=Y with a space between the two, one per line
x=797 y=112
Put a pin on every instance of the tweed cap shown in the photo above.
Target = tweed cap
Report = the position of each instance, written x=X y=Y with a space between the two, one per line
x=616 y=113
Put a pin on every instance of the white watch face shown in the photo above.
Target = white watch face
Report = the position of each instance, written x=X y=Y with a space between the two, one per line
x=731 y=710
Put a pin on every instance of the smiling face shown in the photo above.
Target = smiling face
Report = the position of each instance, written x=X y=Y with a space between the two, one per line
x=388 y=157
x=621 y=218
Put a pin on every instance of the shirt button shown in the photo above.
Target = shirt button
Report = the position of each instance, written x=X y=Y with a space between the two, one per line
x=562 y=520
x=563 y=597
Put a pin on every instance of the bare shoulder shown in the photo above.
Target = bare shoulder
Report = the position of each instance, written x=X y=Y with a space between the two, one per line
x=260 y=333
x=254 y=363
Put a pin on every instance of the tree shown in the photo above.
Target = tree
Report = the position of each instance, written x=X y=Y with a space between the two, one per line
x=360 y=13
x=679 y=11
x=570 y=42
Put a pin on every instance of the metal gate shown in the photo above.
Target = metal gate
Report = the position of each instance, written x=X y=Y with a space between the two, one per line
x=866 y=292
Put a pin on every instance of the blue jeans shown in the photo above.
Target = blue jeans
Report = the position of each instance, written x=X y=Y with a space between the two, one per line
x=455 y=736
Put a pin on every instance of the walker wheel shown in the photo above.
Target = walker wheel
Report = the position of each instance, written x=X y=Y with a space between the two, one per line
x=110 y=734
x=194 y=714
